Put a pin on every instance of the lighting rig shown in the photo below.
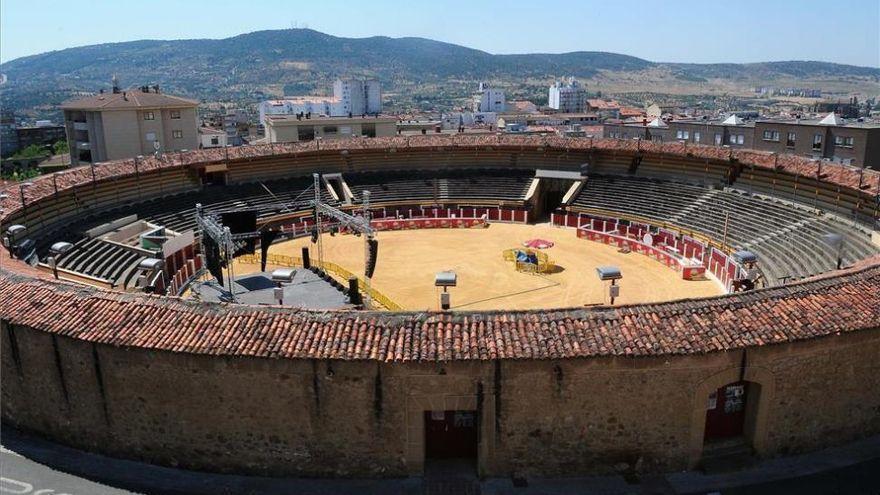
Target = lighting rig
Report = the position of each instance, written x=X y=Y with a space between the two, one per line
x=210 y=225
x=360 y=226
x=228 y=242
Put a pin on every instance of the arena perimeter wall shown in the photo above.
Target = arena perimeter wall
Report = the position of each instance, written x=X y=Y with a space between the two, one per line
x=318 y=416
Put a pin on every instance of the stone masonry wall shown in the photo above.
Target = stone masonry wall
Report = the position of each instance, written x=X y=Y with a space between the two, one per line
x=332 y=418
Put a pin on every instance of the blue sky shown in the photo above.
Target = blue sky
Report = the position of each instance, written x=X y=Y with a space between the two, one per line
x=844 y=31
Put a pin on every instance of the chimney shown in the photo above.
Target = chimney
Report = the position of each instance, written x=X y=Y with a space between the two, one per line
x=115 y=82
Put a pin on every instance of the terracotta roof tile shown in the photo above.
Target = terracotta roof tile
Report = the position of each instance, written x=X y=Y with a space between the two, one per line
x=845 y=176
x=830 y=304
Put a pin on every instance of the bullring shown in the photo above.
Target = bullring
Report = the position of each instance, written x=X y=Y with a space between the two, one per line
x=283 y=391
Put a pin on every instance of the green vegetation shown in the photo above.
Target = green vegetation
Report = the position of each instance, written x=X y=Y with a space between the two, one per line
x=252 y=67
x=60 y=147
x=32 y=151
x=19 y=175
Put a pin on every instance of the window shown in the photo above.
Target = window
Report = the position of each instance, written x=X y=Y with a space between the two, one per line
x=175 y=114
x=736 y=139
x=717 y=139
x=771 y=135
x=215 y=140
x=790 y=140
x=151 y=136
x=177 y=134
x=817 y=141
x=330 y=129
x=844 y=141
x=696 y=136
x=149 y=116
x=682 y=135
x=741 y=139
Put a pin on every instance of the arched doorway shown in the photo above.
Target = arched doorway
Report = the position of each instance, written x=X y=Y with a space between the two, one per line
x=730 y=414
x=729 y=432
x=726 y=412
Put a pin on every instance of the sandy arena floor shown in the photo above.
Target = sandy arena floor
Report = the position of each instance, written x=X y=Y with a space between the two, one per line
x=408 y=261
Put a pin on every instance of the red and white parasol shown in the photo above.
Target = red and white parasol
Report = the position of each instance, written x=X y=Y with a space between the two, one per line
x=538 y=244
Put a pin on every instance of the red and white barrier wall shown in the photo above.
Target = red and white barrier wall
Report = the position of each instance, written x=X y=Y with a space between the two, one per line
x=415 y=217
x=690 y=256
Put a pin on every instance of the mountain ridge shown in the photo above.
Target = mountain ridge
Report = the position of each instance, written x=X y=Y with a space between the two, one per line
x=269 y=63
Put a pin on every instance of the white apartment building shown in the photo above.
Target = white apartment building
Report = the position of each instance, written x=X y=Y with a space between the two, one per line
x=314 y=105
x=357 y=97
x=489 y=100
x=353 y=97
x=568 y=97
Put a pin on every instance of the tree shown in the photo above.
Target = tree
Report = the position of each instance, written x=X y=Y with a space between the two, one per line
x=61 y=147
x=32 y=151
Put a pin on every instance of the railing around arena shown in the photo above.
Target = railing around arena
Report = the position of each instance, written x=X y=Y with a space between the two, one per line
x=330 y=267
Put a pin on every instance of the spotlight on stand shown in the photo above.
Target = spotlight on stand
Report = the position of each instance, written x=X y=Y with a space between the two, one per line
x=445 y=279
x=282 y=276
x=613 y=274
x=56 y=251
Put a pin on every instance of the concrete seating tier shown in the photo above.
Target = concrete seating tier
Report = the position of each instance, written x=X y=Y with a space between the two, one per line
x=787 y=236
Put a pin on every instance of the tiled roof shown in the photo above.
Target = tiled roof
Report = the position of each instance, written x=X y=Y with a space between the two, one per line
x=845 y=176
x=827 y=305
x=128 y=100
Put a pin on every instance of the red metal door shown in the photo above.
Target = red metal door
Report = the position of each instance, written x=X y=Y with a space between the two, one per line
x=726 y=412
x=450 y=434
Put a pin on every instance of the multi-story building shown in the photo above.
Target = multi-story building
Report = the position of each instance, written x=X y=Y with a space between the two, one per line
x=43 y=134
x=8 y=136
x=351 y=98
x=489 y=100
x=732 y=131
x=852 y=143
x=606 y=109
x=830 y=138
x=124 y=124
x=357 y=97
x=293 y=128
x=305 y=105
x=568 y=97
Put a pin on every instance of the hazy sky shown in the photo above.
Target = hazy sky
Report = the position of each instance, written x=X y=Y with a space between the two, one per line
x=844 y=31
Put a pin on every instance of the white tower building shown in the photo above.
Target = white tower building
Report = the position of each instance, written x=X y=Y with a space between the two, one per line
x=569 y=97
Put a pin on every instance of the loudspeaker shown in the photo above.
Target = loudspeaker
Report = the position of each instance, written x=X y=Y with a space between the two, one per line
x=354 y=296
x=212 y=258
x=266 y=239
x=307 y=263
x=444 y=301
x=373 y=246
